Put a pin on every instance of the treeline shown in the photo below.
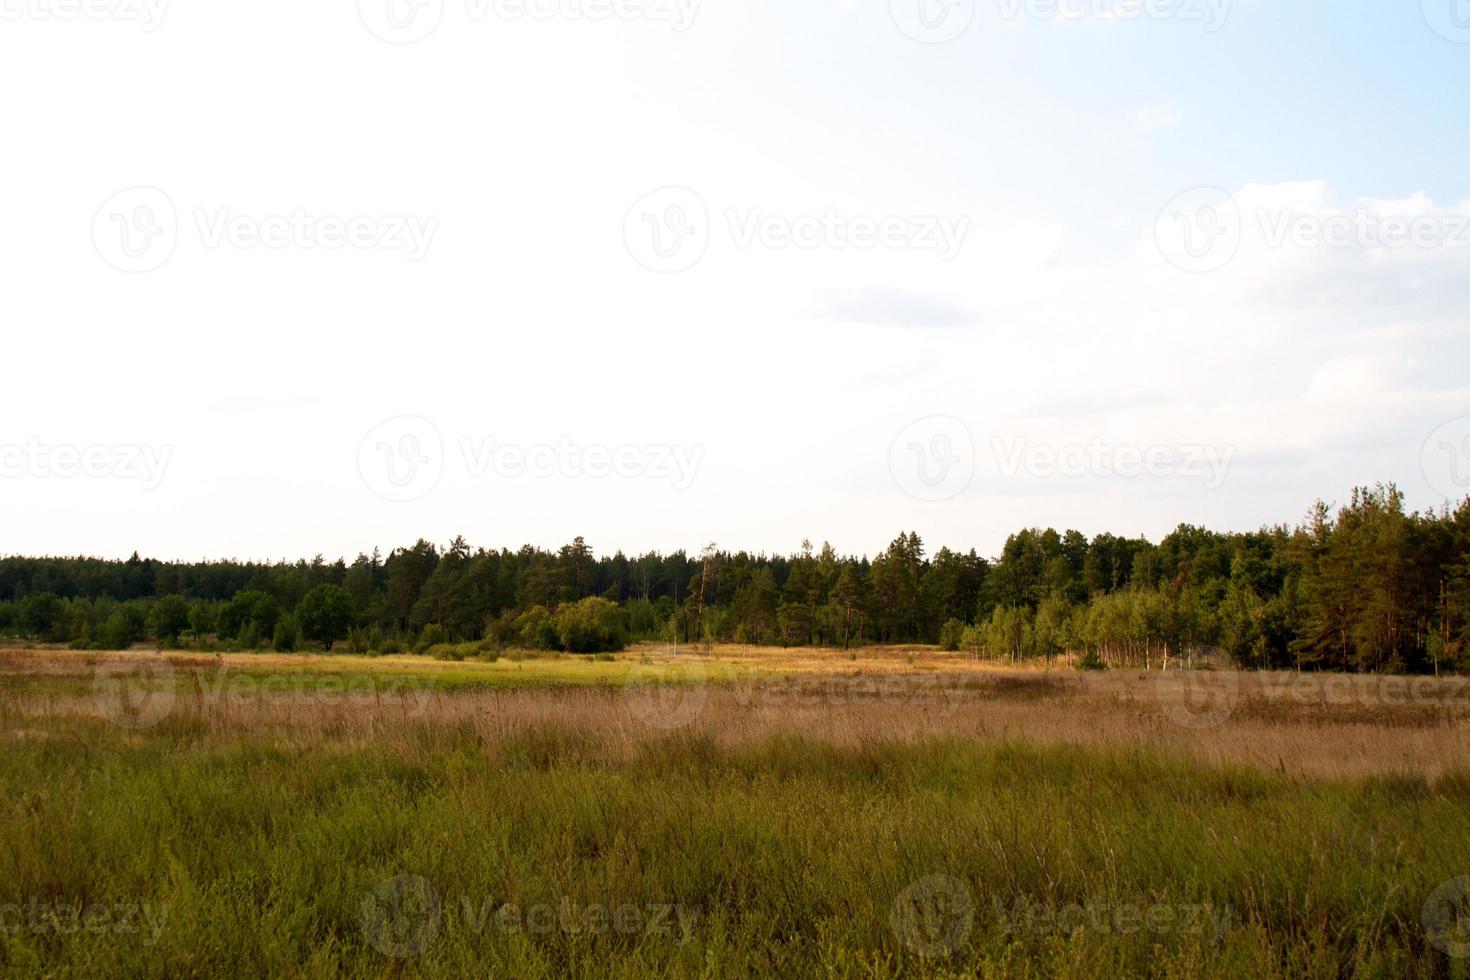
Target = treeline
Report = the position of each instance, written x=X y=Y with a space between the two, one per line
x=1368 y=588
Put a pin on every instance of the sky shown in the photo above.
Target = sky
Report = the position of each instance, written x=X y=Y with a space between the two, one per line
x=291 y=279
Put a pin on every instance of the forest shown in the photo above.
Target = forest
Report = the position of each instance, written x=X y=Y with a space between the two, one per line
x=1365 y=587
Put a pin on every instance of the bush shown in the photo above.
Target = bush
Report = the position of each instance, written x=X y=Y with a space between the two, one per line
x=285 y=636
x=1091 y=661
x=951 y=635
x=535 y=629
x=119 y=632
x=593 y=625
x=433 y=635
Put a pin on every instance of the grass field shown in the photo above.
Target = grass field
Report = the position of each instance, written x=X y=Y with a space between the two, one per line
x=729 y=812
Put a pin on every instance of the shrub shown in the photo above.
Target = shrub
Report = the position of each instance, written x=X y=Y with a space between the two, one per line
x=433 y=635
x=535 y=629
x=593 y=625
x=951 y=635
x=285 y=635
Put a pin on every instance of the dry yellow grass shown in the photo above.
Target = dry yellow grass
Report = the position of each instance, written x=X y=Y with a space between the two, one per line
x=1309 y=726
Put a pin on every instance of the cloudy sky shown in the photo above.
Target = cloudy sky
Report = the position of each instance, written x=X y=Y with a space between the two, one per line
x=288 y=278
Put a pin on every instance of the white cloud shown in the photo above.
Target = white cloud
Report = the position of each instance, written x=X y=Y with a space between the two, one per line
x=1162 y=116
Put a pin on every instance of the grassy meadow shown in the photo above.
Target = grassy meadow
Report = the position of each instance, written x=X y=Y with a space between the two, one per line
x=725 y=812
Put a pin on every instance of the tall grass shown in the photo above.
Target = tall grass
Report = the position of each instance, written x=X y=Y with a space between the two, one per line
x=784 y=855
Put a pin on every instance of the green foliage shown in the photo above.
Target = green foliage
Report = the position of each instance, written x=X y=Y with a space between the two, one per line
x=168 y=618
x=286 y=634
x=593 y=625
x=535 y=629
x=433 y=635
x=41 y=616
x=1367 y=588
x=325 y=615
x=952 y=635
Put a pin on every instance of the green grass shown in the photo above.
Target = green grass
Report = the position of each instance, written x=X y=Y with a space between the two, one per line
x=786 y=858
